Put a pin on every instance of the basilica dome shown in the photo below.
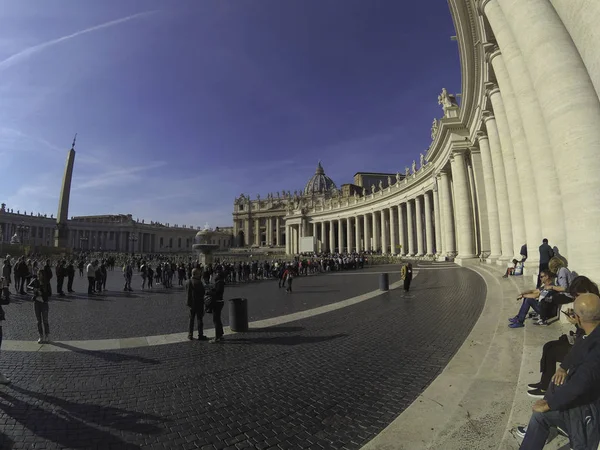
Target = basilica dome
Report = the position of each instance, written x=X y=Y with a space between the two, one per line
x=319 y=183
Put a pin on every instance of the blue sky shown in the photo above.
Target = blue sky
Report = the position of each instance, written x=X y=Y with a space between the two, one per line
x=180 y=106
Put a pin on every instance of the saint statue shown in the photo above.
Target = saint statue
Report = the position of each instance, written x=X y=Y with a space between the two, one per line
x=372 y=189
x=414 y=167
x=389 y=181
x=434 y=129
x=422 y=160
x=447 y=101
x=380 y=185
x=406 y=171
x=258 y=197
x=398 y=176
x=364 y=191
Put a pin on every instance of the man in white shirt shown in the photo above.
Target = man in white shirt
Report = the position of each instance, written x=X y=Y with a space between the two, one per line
x=91 y=276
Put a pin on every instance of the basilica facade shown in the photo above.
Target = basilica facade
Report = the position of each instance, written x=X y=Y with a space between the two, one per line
x=513 y=163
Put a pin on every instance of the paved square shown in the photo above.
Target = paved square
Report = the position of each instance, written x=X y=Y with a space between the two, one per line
x=329 y=381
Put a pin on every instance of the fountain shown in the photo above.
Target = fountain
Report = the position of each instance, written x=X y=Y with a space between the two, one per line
x=204 y=245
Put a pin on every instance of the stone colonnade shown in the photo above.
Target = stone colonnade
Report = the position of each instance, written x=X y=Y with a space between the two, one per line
x=517 y=163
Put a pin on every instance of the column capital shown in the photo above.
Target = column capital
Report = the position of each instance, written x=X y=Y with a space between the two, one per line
x=487 y=115
x=492 y=51
x=474 y=150
x=482 y=5
x=481 y=135
x=491 y=88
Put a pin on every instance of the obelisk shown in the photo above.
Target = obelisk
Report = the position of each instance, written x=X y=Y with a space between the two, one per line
x=61 y=235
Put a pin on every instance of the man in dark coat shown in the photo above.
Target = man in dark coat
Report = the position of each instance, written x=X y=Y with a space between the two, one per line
x=573 y=400
x=195 y=302
x=70 y=275
x=218 y=305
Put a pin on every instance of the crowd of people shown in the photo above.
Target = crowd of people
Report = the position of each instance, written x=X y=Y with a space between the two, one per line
x=568 y=397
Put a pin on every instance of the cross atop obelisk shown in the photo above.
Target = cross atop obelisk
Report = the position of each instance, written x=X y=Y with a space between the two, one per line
x=61 y=236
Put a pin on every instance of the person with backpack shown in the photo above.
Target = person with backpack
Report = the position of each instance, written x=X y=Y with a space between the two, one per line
x=195 y=302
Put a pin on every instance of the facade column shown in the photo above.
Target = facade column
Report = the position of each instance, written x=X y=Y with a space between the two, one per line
x=410 y=234
x=571 y=110
x=375 y=232
x=384 y=232
x=479 y=200
x=581 y=21
x=268 y=232
x=524 y=167
x=402 y=231
x=501 y=189
x=447 y=214
x=340 y=236
x=463 y=207
x=419 y=225
x=393 y=231
x=349 y=234
x=428 y=225
x=277 y=232
x=331 y=236
x=437 y=217
x=287 y=239
x=367 y=240
x=358 y=234
x=490 y=198
x=323 y=237
x=256 y=232
x=545 y=175
x=510 y=170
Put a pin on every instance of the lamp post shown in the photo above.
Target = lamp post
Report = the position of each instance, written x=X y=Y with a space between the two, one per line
x=133 y=238
x=22 y=229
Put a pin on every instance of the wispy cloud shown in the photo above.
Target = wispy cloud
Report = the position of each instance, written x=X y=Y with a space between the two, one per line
x=23 y=54
x=115 y=177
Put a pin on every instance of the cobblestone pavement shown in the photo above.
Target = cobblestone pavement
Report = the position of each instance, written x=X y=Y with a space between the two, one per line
x=163 y=311
x=332 y=381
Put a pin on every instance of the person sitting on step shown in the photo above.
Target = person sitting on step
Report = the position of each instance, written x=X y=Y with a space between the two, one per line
x=532 y=299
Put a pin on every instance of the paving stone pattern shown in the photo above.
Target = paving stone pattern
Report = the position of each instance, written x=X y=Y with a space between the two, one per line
x=332 y=381
x=118 y=314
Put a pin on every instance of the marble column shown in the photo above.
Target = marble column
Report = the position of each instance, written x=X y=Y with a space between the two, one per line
x=393 y=231
x=367 y=233
x=332 y=236
x=501 y=190
x=375 y=232
x=490 y=198
x=256 y=232
x=447 y=214
x=323 y=237
x=437 y=217
x=510 y=170
x=580 y=18
x=340 y=235
x=277 y=232
x=419 y=225
x=479 y=200
x=358 y=235
x=428 y=225
x=402 y=230
x=571 y=110
x=287 y=240
x=384 y=232
x=349 y=235
x=545 y=175
x=524 y=166
x=463 y=208
x=410 y=228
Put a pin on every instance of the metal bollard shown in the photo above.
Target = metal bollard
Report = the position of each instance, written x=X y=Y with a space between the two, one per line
x=384 y=282
x=238 y=314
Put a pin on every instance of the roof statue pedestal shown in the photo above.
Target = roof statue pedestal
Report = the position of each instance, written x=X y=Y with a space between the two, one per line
x=204 y=246
x=449 y=104
x=319 y=183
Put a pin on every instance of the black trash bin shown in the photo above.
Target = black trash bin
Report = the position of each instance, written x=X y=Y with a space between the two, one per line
x=384 y=282
x=238 y=314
